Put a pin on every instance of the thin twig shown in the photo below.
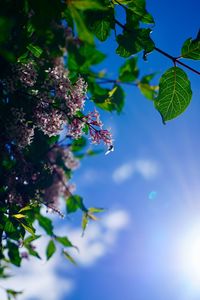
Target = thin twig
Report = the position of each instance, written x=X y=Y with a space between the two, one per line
x=176 y=60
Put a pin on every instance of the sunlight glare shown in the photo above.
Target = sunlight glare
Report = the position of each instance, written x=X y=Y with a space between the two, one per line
x=189 y=257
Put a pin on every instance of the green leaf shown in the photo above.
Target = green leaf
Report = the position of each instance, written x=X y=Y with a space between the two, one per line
x=51 y=249
x=25 y=208
x=32 y=252
x=81 y=59
x=128 y=72
x=147 y=78
x=91 y=152
x=100 y=23
x=92 y=217
x=191 y=48
x=46 y=224
x=69 y=257
x=79 y=144
x=19 y=216
x=28 y=228
x=83 y=32
x=31 y=238
x=64 y=241
x=113 y=101
x=74 y=203
x=13 y=254
x=84 y=222
x=90 y=56
x=95 y=210
x=86 y=4
x=174 y=93
x=102 y=29
x=35 y=50
x=23 y=58
x=138 y=8
x=148 y=90
x=13 y=293
x=134 y=41
x=9 y=226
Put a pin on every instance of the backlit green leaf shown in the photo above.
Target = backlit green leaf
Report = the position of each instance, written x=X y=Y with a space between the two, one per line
x=46 y=224
x=148 y=90
x=83 y=32
x=191 y=48
x=101 y=29
x=134 y=41
x=174 y=93
x=19 y=216
x=114 y=101
x=95 y=210
x=51 y=249
x=137 y=7
x=86 y=4
x=35 y=50
x=84 y=222
x=74 y=203
x=9 y=226
x=129 y=71
x=64 y=241
x=69 y=257
x=32 y=251
x=101 y=22
x=13 y=253
x=25 y=208
x=28 y=228
x=13 y=293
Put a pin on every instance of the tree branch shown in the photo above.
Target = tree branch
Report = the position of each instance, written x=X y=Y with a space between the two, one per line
x=175 y=60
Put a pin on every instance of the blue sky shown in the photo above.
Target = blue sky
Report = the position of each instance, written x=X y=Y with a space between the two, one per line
x=147 y=244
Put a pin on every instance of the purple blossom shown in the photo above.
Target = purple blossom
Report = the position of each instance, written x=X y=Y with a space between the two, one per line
x=75 y=128
x=49 y=121
x=18 y=129
x=66 y=155
x=101 y=135
x=27 y=74
x=93 y=118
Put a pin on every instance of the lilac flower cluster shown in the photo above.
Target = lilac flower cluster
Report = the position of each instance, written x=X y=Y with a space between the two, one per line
x=18 y=128
x=27 y=176
x=98 y=135
x=55 y=104
x=60 y=187
x=50 y=121
x=27 y=74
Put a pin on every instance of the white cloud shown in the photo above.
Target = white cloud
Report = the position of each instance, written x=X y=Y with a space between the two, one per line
x=41 y=280
x=89 y=176
x=148 y=169
x=116 y=220
x=123 y=172
x=99 y=237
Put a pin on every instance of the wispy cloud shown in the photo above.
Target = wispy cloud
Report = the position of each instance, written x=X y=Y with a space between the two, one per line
x=123 y=172
x=89 y=176
x=148 y=169
x=37 y=278
x=99 y=237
